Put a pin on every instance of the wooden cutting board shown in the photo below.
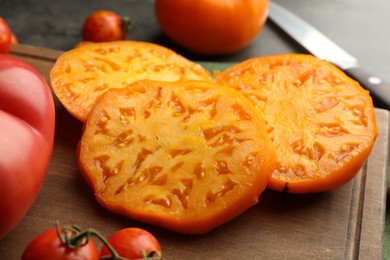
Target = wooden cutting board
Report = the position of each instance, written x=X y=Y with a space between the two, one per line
x=346 y=223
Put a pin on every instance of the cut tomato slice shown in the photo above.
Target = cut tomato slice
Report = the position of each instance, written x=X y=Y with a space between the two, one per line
x=187 y=156
x=81 y=75
x=321 y=122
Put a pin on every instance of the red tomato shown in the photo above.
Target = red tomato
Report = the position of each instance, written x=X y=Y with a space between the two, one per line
x=104 y=26
x=211 y=26
x=27 y=120
x=48 y=246
x=131 y=242
x=5 y=37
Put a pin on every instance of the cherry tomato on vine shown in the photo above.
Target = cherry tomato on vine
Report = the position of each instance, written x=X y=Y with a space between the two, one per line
x=105 y=26
x=133 y=243
x=49 y=246
x=211 y=27
x=5 y=37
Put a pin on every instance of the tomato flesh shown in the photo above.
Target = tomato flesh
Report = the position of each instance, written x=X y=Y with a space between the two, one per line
x=321 y=122
x=187 y=156
x=115 y=65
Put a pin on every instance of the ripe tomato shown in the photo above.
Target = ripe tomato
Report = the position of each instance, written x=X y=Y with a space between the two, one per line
x=134 y=61
x=211 y=26
x=321 y=122
x=105 y=26
x=132 y=243
x=49 y=246
x=187 y=156
x=5 y=37
x=26 y=138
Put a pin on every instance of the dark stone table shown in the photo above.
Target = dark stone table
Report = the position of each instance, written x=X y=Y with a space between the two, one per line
x=361 y=27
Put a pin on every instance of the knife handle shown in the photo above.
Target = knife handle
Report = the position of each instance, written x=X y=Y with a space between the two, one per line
x=379 y=89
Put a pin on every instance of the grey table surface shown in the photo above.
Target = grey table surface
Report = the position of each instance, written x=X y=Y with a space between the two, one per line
x=361 y=27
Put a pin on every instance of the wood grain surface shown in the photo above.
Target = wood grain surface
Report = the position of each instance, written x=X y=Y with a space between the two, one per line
x=346 y=223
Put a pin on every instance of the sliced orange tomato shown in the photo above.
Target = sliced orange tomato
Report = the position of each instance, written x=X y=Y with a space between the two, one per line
x=187 y=156
x=81 y=75
x=321 y=122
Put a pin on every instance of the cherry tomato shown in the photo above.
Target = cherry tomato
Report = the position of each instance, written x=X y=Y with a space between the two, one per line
x=211 y=27
x=5 y=37
x=27 y=120
x=131 y=243
x=49 y=246
x=105 y=26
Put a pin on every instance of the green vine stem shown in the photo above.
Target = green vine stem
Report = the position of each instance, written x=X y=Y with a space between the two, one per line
x=127 y=24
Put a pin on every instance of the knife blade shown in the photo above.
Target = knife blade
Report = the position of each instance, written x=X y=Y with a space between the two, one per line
x=322 y=47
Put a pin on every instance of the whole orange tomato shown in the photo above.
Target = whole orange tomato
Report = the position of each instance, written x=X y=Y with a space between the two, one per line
x=211 y=27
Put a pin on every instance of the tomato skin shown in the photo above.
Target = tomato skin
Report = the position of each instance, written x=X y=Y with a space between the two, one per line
x=211 y=27
x=48 y=246
x=5 y=37
x=130 y=242
x=103 y=26
x=27 y=120
x=25 y=94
